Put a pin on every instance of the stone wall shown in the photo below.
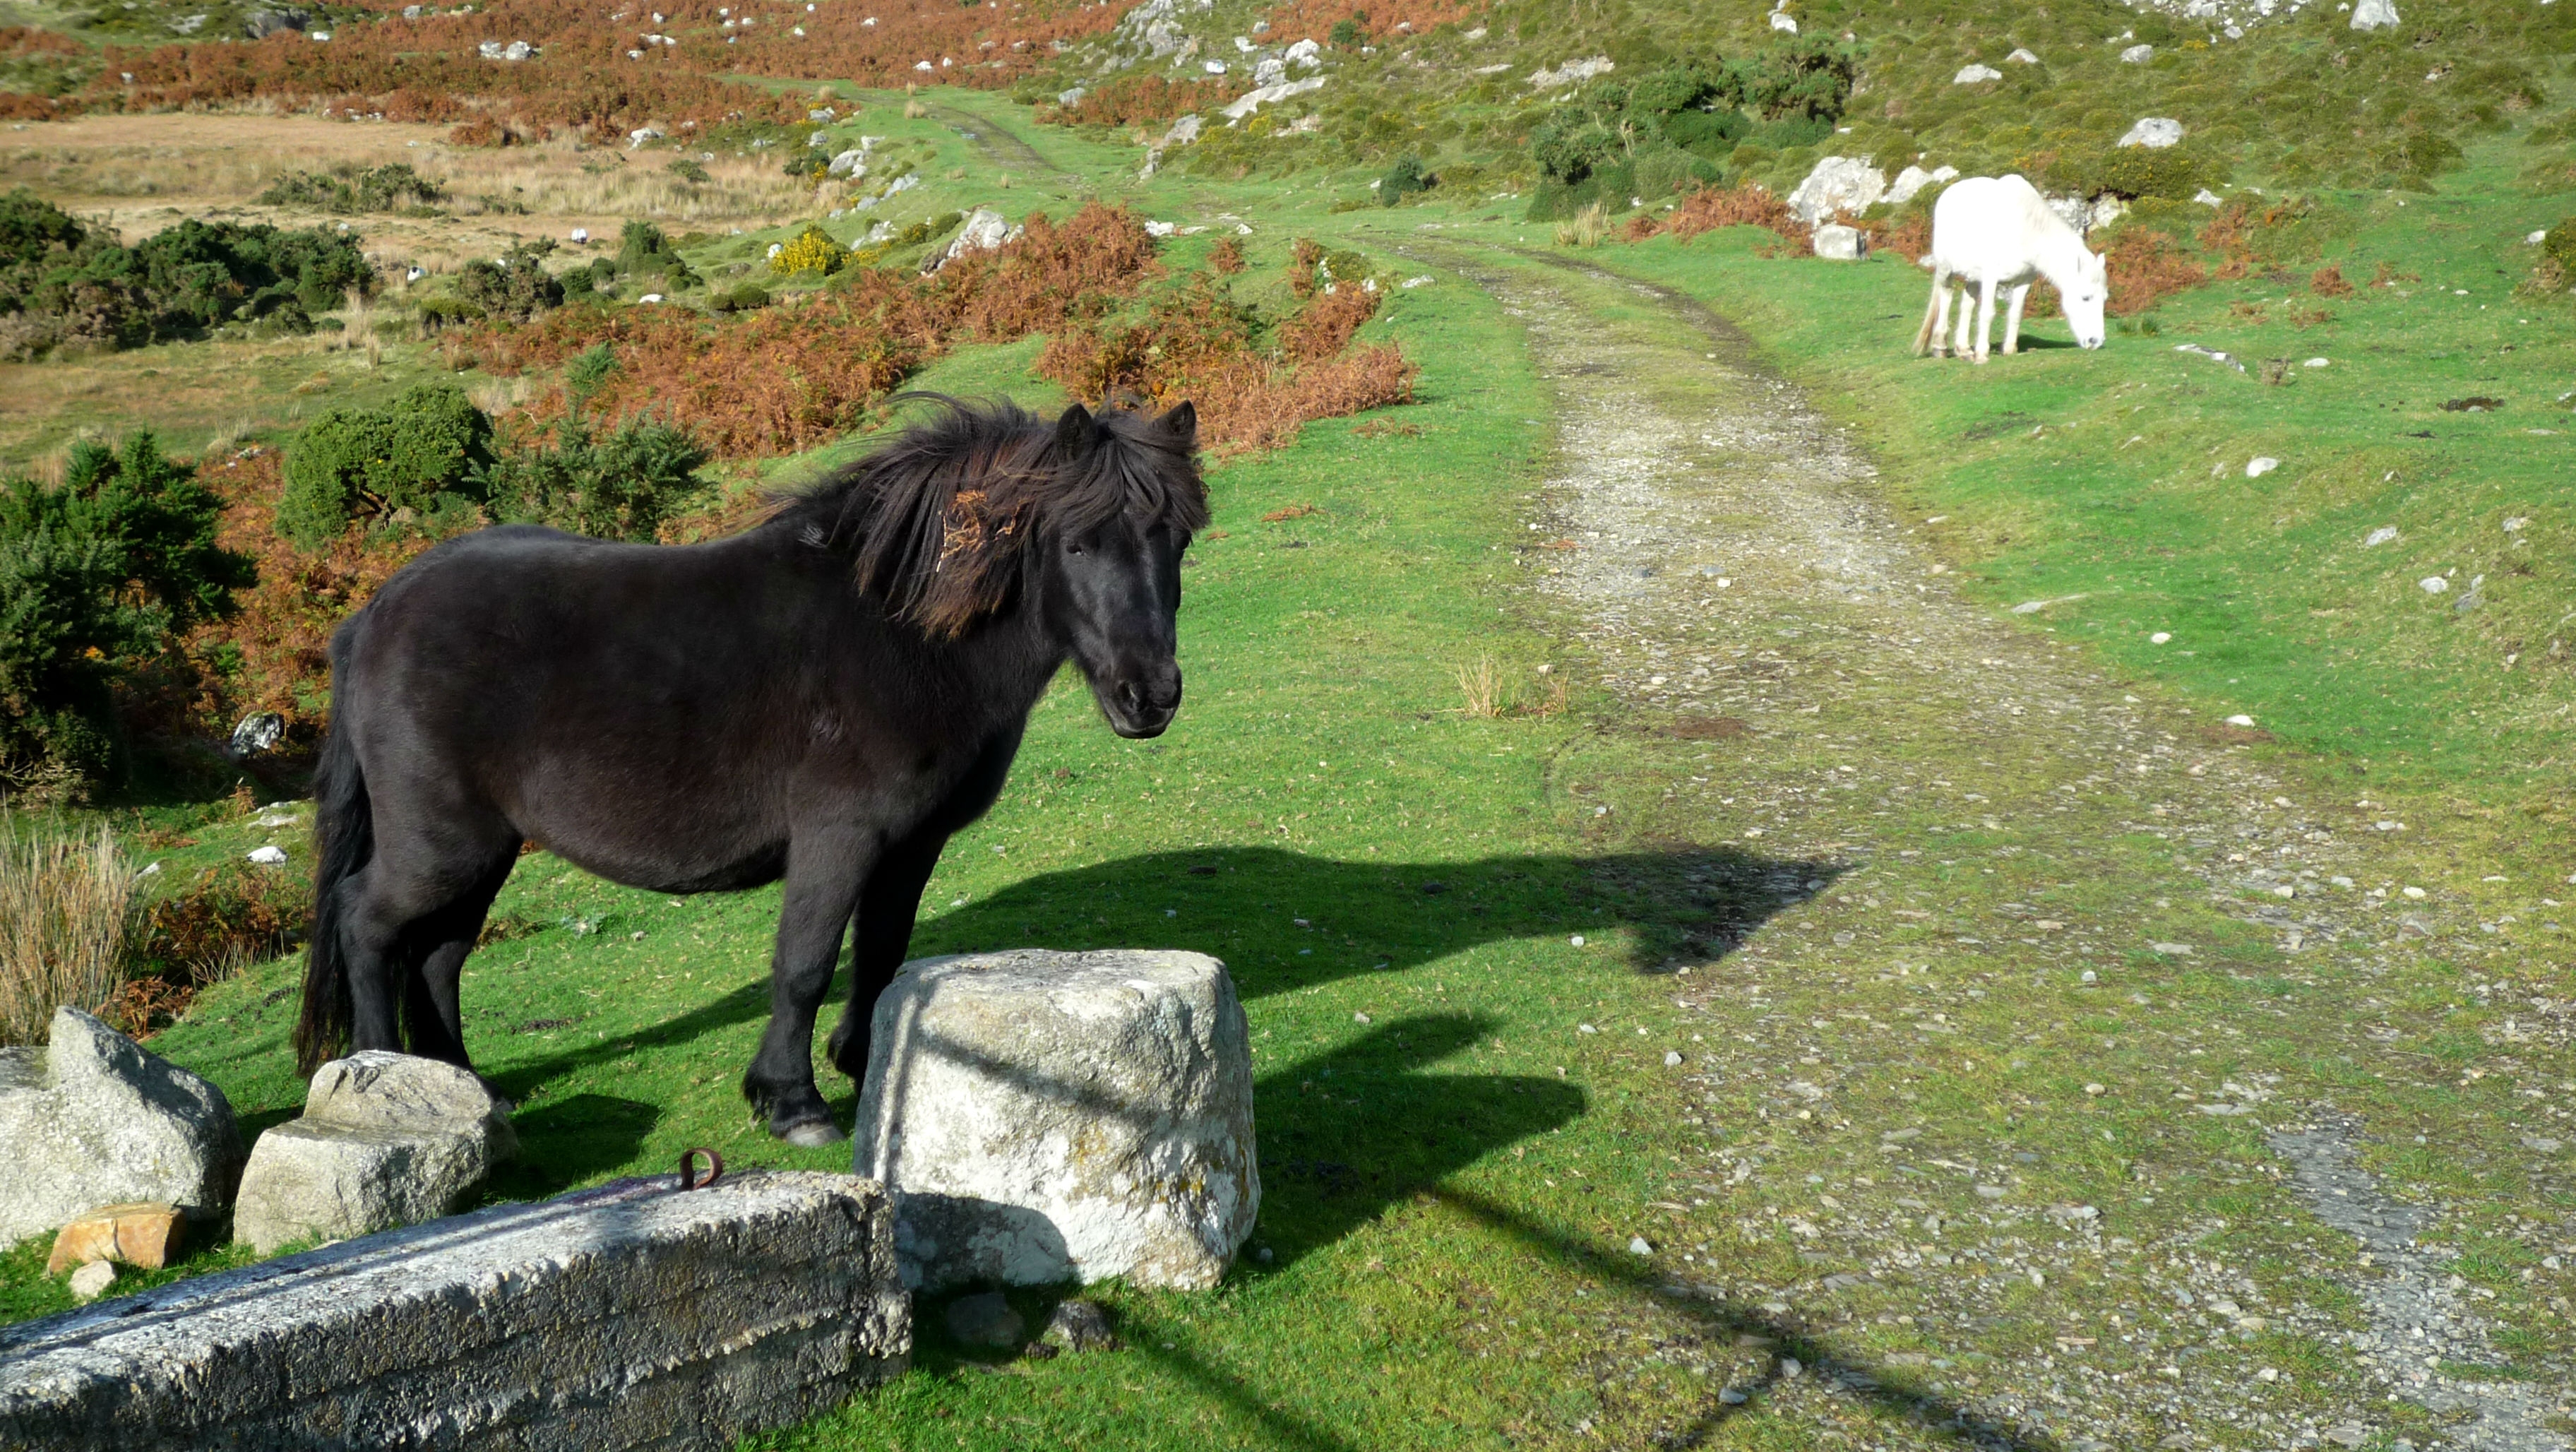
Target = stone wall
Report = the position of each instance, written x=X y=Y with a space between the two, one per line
x=633 y=1315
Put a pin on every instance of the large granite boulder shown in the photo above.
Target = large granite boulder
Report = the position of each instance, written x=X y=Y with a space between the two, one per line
x=1839 y=185
x=94 y=1119
x=1044 y=1117
x=386 y=1139
x=2375 y=15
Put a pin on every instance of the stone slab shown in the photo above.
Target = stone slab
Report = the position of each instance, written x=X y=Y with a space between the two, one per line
x=635 y=1315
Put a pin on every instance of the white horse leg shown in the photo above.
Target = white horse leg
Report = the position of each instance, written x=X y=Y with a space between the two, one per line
x=1959 y=334
x=2012 y=318
x=1928 y=339
x=1985 y=319
x=1941 y=317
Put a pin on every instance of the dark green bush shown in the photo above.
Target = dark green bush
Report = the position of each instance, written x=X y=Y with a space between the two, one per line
x=1402 y=180
x=689 y=171
x=1346 y=32
x=621 y=486
x=643 y=250
x=349 y=188
x=63 y=283
x=97 y=577
x=1806 y=76
x=746 y=298
x=421 y=457
x=516 y=285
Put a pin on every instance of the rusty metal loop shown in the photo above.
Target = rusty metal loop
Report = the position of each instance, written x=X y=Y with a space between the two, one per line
x=715 y=1167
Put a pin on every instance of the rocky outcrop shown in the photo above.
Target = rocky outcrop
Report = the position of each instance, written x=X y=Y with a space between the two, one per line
x=1045 y=1117
x=1839 y=185
x=94 y=1119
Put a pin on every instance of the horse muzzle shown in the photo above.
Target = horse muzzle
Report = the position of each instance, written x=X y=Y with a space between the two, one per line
x=1140 y=705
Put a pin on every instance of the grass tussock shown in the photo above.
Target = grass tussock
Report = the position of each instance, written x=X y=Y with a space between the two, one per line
x=68 y=910
x=1586 y=228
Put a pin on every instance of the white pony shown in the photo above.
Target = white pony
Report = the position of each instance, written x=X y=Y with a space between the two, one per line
x=1994 y=232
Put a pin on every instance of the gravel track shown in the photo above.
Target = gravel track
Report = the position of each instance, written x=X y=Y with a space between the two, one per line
x=1723 y=559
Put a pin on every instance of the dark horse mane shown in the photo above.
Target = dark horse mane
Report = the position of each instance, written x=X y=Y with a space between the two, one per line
x=939 y=520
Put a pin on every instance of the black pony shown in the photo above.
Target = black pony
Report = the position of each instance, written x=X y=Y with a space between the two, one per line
x=826 y=697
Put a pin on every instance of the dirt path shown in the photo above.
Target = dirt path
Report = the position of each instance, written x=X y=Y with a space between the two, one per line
x=1987 y=1111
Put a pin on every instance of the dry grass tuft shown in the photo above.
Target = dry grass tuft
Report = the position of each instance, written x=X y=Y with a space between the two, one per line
x=67 y=911
x=1482 y=687
x=1587 y=229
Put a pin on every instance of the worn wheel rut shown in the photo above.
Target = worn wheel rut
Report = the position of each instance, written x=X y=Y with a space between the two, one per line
x=1987 y=1101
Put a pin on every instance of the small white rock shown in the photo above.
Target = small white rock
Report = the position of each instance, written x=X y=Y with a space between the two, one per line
x=2380 y=536
x=2433 y=584
x=1975 y=74
x=92 y=1280
x=1576 y=940
x=2240 y=720
x=269 y=856
x=1637 y=1246
x=1359 y=1018
x=2160 y=637
x=2138 y=55
x=1672 y=1059
x=2256 y=468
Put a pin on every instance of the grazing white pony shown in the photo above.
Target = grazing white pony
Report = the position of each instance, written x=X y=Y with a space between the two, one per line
x=1991 y=232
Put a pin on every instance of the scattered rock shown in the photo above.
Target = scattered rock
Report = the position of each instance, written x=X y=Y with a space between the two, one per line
x=1079 y=1326
x=1254 y=100
x=2021 y=57
x=517 y=50
x=1970 y=75
x=261 y=24
x=2433 y=584
x=268 y=856
x=985 y=231
x=2347 y=1434
x=145 y=1234
x=1573 y=72
x=1784 y=21
x=1047 y=1117
x=984 y=1320
x=92 y=1280
x=2257 y=467
x=2137 y=55
x=1841 y=243
x=257 y=732
x=1838 y=184
x=1913 y=180
x=2208 y=198
x=386 y=1139
x=1637 y=1246
x=92 y=1119
x=2374 y=15
x=2153 y=132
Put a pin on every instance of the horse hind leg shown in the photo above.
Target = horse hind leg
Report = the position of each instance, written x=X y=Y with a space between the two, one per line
x=433 y=1017
x=1927 y=339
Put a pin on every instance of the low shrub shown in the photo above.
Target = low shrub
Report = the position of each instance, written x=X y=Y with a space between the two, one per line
x=65 y=283
x=225 y=920
x=622 y=485
x=1742 y=206
x=2144 y=267
x=514 y=285
x=350 y=188
x=811 y=251
x=98 y=577
x=67 y=913
x=1404 y=179
x=418 y=457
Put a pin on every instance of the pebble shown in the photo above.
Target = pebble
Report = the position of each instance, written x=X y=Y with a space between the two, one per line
x=2160 y=637
x=269 y=856
x=1672 y=1059
x=1585 y=1028
x=1576 y=940
x=92 y=1280
x=1637 y=1246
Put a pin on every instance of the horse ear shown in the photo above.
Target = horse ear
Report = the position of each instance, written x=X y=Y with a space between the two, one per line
x=1075 y=430
x=1182 y=423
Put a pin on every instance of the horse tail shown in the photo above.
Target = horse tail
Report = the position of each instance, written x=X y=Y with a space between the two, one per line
x=1931 y=313
x=344 y=839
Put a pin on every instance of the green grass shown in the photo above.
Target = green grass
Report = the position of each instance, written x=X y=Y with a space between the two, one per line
x=1451 y=1185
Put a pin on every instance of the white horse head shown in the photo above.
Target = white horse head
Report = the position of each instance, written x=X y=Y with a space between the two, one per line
x=2082 y=295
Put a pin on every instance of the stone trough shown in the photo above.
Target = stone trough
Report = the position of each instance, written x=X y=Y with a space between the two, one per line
x=632 y=1315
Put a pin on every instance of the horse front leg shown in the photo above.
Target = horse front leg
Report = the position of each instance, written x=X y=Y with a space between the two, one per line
x=888 y=907
x=2012 y=319
x=824 y=873
x=1985 y=319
